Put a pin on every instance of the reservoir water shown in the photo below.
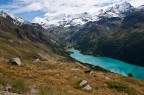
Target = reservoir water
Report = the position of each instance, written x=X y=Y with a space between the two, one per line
x=109 y=64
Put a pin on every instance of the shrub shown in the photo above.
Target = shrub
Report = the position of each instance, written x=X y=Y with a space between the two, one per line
x=130 y=75
x=121 y=87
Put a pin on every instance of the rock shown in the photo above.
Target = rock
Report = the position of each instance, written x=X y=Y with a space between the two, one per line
x=75 y=69
x=107 y=78
x=87 y=87
x=11 y=41
x=36 y=60
x=83 y=83
x=105 y=85
x=33 y=91
x=15 y=61
x=2 y=88
x=8 y=93
x=8 y=87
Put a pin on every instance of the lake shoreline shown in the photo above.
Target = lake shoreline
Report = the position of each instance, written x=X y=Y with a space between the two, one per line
x=108 y=64
x=98 y=55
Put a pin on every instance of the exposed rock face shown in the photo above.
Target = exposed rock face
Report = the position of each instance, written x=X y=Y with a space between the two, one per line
x=15 y=61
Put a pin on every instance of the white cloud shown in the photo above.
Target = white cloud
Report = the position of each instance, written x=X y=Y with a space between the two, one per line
x=59 y=7
x=136 y=3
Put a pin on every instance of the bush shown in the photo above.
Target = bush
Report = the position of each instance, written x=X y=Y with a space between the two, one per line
x=130 y=75
x=121 y=87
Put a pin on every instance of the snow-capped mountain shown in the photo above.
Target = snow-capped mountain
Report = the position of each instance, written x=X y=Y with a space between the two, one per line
x=65 y=20
x=16 y=20
x=141 y=7
x=119 y=10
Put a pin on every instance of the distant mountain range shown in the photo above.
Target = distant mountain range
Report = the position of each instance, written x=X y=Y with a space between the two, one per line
x=119 y=10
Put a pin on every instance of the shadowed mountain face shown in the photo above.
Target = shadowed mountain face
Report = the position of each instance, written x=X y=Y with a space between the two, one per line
x=114 y=37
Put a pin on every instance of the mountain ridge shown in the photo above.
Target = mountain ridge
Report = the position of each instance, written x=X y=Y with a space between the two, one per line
x=118 y=10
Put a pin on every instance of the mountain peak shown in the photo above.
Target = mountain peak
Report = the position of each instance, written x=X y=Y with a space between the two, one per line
x=16 y=20
x=141 y=7
x=119 y=10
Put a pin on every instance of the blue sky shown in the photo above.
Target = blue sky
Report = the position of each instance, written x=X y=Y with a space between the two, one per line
x=5 y=1
x=29 y=9
x=29 y=16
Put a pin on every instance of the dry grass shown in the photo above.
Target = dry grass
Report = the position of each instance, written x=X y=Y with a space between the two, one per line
x=58 y=78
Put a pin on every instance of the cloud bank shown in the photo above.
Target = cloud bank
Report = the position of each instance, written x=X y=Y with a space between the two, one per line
x=57 y=7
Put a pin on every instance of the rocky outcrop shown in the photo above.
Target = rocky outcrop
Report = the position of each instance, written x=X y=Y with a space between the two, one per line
x=83 y=83
x=15 y=61
x=85 y=86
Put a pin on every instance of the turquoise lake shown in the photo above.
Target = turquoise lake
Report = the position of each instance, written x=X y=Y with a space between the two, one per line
x=109 y=64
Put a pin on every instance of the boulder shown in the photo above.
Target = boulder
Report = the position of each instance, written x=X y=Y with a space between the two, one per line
x=107 y=78
x=15 y=61
x=83 y=83
x=87 y=87
x=37 y=60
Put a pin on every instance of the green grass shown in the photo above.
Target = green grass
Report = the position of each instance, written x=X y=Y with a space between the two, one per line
x=3 y=82
x=132 y=80
x=19 y=86
x=48 y=90
x=76 y=84
x=121 y=87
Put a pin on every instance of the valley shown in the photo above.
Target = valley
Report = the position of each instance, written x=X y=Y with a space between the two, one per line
x=76 y=54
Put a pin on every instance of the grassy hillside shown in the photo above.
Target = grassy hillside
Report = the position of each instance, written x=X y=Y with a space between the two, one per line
x=56 y=74
x=63 y=78
x=19 y=42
